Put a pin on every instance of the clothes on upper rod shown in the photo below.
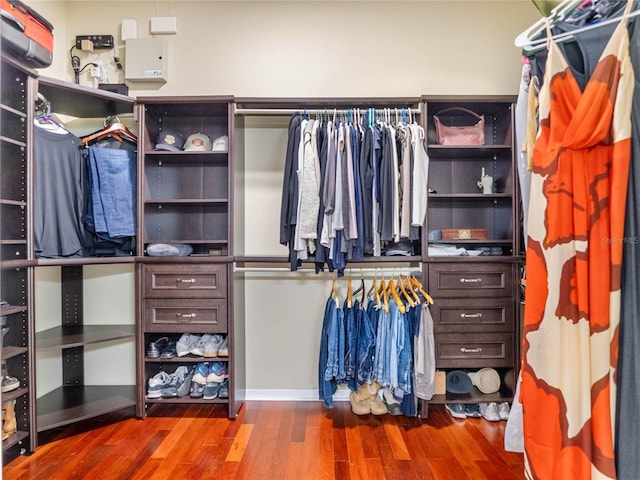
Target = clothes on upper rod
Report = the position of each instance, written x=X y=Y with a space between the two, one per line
x=352 y=189
x=85 y=197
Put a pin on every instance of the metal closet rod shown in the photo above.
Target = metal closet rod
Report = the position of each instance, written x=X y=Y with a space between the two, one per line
x=347 y=270
x=318 y=111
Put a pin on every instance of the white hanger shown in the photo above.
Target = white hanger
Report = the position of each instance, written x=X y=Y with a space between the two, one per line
x=524 y=40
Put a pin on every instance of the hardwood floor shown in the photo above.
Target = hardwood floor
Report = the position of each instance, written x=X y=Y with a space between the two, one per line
x=272 y=440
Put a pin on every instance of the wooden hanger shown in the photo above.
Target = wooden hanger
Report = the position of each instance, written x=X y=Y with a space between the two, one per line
x=349 y=294
x=334 y=293
x=373 y=290
x=116 y=130
x=410 y=290
x=416 y=283
x=394 y=294
x=360 y=289
x=404 y=292
x=385 y=295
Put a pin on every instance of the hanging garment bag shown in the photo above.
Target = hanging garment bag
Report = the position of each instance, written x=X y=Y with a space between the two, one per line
x=26 y=34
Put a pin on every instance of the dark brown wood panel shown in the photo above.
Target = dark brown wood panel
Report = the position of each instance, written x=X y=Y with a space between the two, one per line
x=202 y=315
x=466 y=315
x=185 y=281
x=474 y=350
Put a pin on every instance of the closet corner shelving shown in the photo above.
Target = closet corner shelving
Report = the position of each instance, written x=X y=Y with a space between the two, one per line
x=476 y=309
x=187 y=198
x=16 y=262
x=77 y=398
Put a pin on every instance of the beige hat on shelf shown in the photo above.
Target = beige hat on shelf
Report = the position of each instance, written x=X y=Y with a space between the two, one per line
x=487 y=380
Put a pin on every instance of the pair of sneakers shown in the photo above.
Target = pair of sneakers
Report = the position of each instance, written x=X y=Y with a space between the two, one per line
x=208 y=373
x=495 y=412
x=202 y=345
x=174 y=385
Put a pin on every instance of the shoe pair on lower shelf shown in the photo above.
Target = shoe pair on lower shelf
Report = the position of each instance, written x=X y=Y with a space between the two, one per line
x=491 y=411
x=174 y=385
x=208 y=380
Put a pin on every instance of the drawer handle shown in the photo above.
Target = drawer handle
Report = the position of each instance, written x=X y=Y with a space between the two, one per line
x=470 y=280
x=471 y=315
x=185 y=280
x=185 y=315
x=471 y=350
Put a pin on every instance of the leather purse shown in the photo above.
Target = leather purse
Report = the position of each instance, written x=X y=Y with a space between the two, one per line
x=460 y=135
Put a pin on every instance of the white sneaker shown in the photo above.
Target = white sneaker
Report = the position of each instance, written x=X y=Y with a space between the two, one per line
x=223 y=349
x=197 y=348
x=490 y=412
x=157 y=383
x=212 y=346
x=504 y=410
x=183 y=347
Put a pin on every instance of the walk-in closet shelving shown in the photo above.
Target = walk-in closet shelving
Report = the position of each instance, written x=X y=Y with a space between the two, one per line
x=187 y=199
x=16 y=261
x=476 y=309
x=79 y=395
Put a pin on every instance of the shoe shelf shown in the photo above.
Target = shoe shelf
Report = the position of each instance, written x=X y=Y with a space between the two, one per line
x=73 y=400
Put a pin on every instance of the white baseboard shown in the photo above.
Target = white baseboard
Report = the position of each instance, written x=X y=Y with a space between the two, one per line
x=289 y=395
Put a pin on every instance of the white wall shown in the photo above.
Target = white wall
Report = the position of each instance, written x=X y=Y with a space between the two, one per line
x=302 y=49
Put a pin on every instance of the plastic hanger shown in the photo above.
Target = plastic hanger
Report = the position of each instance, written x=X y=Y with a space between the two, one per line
x=526 y=39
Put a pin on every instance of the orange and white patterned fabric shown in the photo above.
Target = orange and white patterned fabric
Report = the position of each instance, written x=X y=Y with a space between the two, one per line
x=579 y=181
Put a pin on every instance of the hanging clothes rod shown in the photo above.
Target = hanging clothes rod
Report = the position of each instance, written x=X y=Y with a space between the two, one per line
x=348 y=270
x=524 y=41
x=317 y=111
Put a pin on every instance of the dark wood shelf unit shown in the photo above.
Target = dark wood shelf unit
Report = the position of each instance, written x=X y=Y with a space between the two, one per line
x=476 y=298
x=187 y=198
x=74 y=403
x=81 y=101
x=17 y=94
x=73 y=400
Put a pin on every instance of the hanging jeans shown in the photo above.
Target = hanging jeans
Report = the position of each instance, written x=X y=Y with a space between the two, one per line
x=351 y=345
x=366 y=346
x=329 y=346
x=113 y=191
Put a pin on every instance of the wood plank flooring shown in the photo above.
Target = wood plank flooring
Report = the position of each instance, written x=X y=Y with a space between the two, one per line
x=272 y=440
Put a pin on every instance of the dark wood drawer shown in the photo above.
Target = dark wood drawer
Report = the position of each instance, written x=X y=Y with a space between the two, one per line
x=471 y=280
x=199 y=315
x=454 y=350
x=185 y=281
x=473 y=315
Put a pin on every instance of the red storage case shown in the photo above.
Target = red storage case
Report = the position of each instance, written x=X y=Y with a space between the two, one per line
x=26 y=34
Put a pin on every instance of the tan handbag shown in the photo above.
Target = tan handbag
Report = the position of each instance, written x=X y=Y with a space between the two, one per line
x=460 y=135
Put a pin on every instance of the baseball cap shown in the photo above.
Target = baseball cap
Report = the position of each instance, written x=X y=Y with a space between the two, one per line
x=221 y=144
x=459 y=382
x=170 y=139
x=198 y=142
x=486 y=379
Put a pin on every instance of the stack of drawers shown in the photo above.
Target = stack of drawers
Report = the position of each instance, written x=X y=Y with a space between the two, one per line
x=475 y=318
x=183 y=298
